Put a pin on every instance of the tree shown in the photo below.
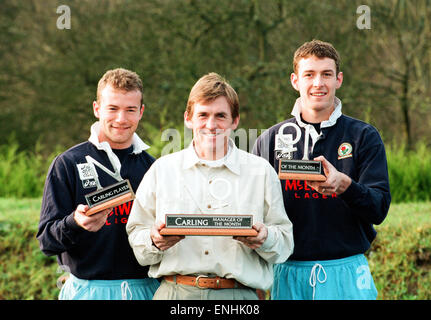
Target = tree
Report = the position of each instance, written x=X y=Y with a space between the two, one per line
x=401 y=49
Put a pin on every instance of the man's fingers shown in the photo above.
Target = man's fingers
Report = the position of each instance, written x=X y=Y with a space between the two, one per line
x=82 y=208
x=325 y=163
x=255 y=242
x=166 y=242
x=163 y=242
x=91 y=223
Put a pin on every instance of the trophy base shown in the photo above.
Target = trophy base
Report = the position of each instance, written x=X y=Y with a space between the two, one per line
x=301 y=176
x=207 y=232
x=111 y=203
x=309 y=170
x=109 y=197
x=208 y=225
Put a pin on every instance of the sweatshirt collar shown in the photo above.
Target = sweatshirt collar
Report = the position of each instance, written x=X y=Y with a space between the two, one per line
x=137 y=143
x=230 y=160
x=296 y=112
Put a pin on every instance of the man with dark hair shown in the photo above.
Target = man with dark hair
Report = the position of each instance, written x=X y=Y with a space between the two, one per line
x=333 y=220
x=94 y=248
x=211 y=176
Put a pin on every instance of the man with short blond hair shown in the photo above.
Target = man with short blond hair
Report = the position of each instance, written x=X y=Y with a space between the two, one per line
x=211 y=176
x=95 y=249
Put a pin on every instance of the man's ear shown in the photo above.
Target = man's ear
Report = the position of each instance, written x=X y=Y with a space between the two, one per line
x=294 y=81
x=187 y=120
x=339 y=80
x=141 y=112
x=96 y=108
x=235 y=123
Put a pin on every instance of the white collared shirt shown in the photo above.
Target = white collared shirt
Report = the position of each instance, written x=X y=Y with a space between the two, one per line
x=297 y=108
x=137 y=143
x=240 y=184
x=315 y=136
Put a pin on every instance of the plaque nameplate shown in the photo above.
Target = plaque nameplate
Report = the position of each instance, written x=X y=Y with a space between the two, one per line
x=109 y=197
x=301 y=170
x=217 y=224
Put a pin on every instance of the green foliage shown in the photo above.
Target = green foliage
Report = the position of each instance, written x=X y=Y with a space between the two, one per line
x=22 y=173
x=409 y=173
x=400 y=257
x=49 y=76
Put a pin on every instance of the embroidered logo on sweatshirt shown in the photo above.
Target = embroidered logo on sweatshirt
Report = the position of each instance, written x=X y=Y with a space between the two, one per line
x=344 y=150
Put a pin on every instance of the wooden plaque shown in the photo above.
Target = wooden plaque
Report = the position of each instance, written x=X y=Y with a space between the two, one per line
x=208 y=225
x=301 y=170
x=109 y=197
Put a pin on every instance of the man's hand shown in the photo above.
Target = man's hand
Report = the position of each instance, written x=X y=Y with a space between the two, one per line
x=91 y=223
x=163 y=242
x=336 y=181
x=256 y=241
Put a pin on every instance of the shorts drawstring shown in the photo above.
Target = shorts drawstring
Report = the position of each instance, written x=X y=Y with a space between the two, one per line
x=315 y=278
x=124 y=289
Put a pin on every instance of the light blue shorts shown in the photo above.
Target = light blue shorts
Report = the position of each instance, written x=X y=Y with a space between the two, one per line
x=127 y=289
x=340 y=279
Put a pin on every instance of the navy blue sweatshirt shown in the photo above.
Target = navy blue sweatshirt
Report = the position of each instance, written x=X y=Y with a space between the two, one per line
x=105 y=254
x=334 y=227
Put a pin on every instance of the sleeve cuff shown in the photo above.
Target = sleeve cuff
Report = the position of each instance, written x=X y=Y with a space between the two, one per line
x=71 y=223
x=353 y=193
x=269 y=241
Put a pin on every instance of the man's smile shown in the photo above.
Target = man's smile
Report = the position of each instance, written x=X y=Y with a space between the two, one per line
x=318 y=94
x=211 y=133
x=120 y=128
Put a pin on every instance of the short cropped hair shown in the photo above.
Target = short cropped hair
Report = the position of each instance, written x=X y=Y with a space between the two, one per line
x=317 y=48
x=210 y=87
x=122 y=79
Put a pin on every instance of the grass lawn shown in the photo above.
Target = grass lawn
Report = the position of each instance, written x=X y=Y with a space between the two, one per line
x=25 y=273
x=400 y=257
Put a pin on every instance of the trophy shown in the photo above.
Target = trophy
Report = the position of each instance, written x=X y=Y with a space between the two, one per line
x=104 y=197
x=208 y=225
x=290 y=169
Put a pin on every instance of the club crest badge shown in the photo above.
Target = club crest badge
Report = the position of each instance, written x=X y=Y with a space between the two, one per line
x=344 y=150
